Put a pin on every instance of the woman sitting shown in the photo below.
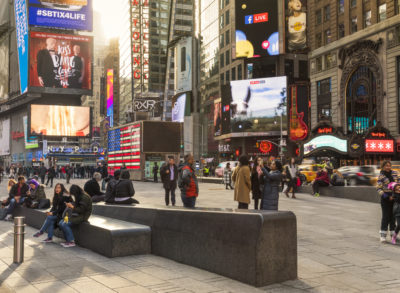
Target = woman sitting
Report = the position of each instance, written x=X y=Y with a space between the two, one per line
x=81 y=212
x=124 y=190
x=61 y=196
x=35 y=194
x=322 y=179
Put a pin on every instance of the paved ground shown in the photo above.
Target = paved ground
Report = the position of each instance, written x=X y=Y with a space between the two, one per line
x=338 y=247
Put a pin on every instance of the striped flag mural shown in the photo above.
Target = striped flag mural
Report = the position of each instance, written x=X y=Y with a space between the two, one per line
x=124 y=147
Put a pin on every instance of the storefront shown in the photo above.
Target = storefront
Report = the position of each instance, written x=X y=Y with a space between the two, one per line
x=75 y=155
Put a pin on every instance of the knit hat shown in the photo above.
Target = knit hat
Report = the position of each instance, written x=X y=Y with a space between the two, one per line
x=34 y=182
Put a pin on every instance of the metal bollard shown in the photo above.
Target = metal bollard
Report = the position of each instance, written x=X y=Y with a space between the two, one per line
x=19 y=236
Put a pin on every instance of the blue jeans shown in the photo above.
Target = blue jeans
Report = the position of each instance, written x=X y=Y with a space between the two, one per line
x=13 y=204
x=66 y=228
x=188 y=202
x=49 y=226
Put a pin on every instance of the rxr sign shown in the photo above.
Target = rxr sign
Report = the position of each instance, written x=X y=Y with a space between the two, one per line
x=144 y=105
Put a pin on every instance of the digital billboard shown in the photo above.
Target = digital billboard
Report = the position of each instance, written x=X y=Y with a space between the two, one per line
x=110 y=96
x=323 y=141
x=51 y=120
x=257 y=104
x=183 y=68
x=60 y=63
x=257 y=28
x=65 y=14
x=21 y=26
x=178 y=108
x=31 y=142
x=217 y=119
x=296 y=25
x=4 y=137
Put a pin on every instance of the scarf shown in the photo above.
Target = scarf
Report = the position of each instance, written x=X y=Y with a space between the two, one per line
x=388 y=175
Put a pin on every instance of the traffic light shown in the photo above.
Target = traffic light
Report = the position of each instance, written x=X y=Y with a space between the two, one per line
x=238 y=151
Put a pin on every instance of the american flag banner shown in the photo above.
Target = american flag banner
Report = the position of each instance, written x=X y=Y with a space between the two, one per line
x=124 y=147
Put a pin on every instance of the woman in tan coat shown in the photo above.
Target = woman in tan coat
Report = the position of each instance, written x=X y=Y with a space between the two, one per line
x=241 y=177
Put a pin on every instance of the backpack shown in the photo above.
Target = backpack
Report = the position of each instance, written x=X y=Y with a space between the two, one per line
x=181 y=184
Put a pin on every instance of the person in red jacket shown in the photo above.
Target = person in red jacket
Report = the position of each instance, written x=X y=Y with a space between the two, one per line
x=188 y=185
x=322 y=179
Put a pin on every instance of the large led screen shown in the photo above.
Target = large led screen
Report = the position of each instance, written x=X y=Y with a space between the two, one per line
x=178 y=108
x=256 y=28
x=65 y=14
x=110 y=96
x=60 y=63
x=50 y=120
x=296 y=25
x=21 y=26
x=258 y=105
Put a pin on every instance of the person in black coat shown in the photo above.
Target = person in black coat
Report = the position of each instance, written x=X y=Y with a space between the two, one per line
x=155 y=172
x=77 y=70
x=257 y=182
x=169 y=175
x=92 y=188
x=48 y=63
x=42 y=173
x=17 y=195
x=110 y=190
x=124 y=190
x=50 y=176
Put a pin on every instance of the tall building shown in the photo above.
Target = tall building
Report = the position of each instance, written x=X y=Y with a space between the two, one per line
x=354 y=67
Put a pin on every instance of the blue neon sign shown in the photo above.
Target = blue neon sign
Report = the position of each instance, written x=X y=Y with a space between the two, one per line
x=21 y=24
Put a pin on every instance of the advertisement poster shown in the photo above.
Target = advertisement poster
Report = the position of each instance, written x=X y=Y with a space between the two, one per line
x=183 y=70
x=30 y=142
x=178 y=109
x=4 y=137
x=217 y=119
x=65 y=14
x=21 y=26
x=52 y=120
x=296 y=25
x=257 y=28
x=257 y=105
x=61 y=62
x=110 y=96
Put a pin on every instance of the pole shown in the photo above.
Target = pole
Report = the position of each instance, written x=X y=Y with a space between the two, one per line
x=19 y=235
x=280 y=142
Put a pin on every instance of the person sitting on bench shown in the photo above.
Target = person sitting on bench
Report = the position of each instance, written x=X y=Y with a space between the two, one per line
x=16 y=197
x=110 y=191
x=92 y=187
x=124 y=190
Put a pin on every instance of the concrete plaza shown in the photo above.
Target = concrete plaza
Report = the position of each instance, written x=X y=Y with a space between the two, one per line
x=338 y=251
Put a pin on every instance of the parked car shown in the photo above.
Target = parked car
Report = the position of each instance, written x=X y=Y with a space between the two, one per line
x=359 y=175
x=309 y=171
x=219 y=171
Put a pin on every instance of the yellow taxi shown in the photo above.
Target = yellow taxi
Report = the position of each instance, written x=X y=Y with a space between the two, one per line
x=310 y=171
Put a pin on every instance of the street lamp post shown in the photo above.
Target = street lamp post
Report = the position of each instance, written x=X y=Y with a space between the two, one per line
x=281 y=138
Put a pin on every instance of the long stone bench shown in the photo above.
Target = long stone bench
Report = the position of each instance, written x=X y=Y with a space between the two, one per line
x=362 y=193
x=106 y=236
x=258 y=248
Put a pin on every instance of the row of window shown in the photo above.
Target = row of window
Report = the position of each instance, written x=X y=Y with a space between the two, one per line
x=224 y=19
x=225 y=61
x=224 y=39
x=226 y=77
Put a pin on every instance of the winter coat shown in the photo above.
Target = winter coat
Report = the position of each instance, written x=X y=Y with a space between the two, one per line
x=58 y=206
x=322 y=176
x=272 y=182
x=227 y=176
x=241 y=177
x=110 y=191
x=82 y=210
x=383 y=182
x=189 y=179
x=256 y=185
x=42 y=171
x=124 y=188
x=38 y=193
x=52 y=173
x=14 y=190
x=166 y=177
x=92 y=187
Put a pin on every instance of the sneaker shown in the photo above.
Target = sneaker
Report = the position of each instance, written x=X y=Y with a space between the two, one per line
x=383 y=237
x=8 y=218
x=38 y=234
x=48 y=240
x=68 y=244
x=316 y=194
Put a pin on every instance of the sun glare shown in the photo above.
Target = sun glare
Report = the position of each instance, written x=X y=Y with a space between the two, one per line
x=110 y=15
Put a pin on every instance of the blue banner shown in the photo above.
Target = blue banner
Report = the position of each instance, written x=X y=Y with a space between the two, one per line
x=45 y=13
x=21 y=24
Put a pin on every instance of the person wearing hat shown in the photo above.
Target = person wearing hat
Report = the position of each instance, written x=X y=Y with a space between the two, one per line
x=35 y=194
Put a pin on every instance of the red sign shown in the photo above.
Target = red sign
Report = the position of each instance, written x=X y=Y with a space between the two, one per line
x=378 y=134
x=379 y=145
x=16 y=135
x=325 y=130
x=261 y=17
x=265 y=147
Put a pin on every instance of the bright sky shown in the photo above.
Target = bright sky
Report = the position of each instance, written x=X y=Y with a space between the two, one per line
x=110 y=12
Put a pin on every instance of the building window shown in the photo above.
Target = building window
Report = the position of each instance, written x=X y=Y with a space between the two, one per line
x=221 y=41
x=382 y=12
x=289 y=69
x=319 y=63
x=226 y=2
x=227 y=38
x=222 y=78
x=353 y=3
x=227 y=78
x=341 y=6
x=318 y=17
x=324 y=88
x=222 y=3
x=240 y=71
x=397 y=6
x=227 y=58
x=303 y=69
x=234 y=73
x=354 y=24
x=328 y=36
x=227 y=17
x=221 y=60
x=367 y=18
x=328 y=61
x=327 y=12
x=318 y=40
x=183 y=59
x=221 y=21
x=341 y=31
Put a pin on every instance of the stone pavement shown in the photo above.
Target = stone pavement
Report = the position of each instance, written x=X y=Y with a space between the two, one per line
x=338 y=251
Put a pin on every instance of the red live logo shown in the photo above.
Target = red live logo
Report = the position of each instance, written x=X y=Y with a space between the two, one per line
x=261 y=17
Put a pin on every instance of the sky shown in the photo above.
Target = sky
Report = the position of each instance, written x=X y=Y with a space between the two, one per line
x=110 y=12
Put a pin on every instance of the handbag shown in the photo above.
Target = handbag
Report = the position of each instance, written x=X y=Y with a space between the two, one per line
x=298 y=182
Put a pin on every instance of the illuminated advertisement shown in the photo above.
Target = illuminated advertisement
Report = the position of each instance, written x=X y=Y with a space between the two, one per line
x=21 y=26
x=379 y=145
x=60 y=63
x=296 y=25
x=110 y=96
x=298 y=112
x=258 y=105
x=4 y=137
x=256 y=28
x=66 y=14
x=326 y=141
x=183 y=68
x=178 y=109
x=50 y=120
x=217 y=119
x=30 y=142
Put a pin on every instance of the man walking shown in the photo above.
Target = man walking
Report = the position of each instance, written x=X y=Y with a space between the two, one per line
x=188 y=183
x=155 y=172
x=69 y=171
x=169 y=174
x=42 y=172
x=50 y=176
